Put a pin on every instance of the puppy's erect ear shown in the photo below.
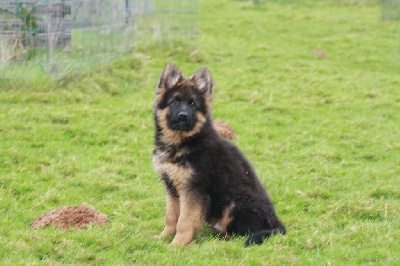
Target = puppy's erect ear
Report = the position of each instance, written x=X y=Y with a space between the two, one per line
x=169 y=78
x=204 y=82
x=202 y=78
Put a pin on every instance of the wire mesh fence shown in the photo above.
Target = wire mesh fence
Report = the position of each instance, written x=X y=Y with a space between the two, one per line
x=390 y=9
x=52 y=39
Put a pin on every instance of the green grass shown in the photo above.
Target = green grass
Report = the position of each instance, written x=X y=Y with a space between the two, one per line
x=322 y=132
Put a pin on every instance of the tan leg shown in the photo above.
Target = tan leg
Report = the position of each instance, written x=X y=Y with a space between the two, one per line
x=171 y=215
x=190 y=220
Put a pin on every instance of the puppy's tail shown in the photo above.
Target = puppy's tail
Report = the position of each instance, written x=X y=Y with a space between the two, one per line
x=259 y=236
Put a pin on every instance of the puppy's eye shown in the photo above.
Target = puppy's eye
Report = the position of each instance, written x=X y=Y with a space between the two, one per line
x=191 y=102
x=177 y=99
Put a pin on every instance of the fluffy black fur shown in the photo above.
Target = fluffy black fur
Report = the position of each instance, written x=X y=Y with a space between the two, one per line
x=222 y=176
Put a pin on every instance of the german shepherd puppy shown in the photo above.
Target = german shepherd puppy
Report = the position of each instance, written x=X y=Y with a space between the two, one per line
x=207 y=178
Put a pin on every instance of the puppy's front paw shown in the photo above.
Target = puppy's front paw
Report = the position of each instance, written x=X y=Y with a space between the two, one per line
x=180 y=240
x=178 y=243
x=157 y=237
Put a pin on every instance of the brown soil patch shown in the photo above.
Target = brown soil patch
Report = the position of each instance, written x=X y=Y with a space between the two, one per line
x=224 y=130
x=75 y=216
x=318 y=53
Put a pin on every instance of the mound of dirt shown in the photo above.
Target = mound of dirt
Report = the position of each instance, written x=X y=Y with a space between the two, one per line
x=224 y=130
x=75 y=216
x=318 y=53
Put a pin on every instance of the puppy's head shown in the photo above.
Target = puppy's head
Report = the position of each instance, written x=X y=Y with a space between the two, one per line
x=182 y=105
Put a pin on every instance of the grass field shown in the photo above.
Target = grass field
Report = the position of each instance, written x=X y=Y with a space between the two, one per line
x=323 y=133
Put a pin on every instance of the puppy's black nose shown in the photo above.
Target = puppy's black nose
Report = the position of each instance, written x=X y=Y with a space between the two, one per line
x=182 y=116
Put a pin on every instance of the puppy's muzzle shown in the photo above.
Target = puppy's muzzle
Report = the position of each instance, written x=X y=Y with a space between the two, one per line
x=183 y=117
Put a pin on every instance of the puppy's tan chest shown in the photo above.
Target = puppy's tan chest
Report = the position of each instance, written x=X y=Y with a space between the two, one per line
x=178 y=174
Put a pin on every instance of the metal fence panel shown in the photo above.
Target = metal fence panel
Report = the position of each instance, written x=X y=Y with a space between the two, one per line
x=58 y=38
